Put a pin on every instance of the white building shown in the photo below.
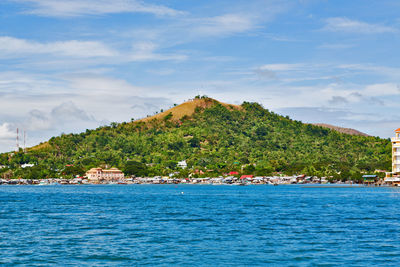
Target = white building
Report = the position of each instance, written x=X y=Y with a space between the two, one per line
x=27 y=165
x=396 y=153
x=182 y=164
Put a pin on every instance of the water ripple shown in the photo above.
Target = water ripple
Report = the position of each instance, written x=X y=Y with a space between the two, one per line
x=207 y=226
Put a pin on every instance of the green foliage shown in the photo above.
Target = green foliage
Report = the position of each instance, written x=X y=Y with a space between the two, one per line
x=194 y=142
x=135 y=168
x=168 y=117
x=216 y=138
x=71 y=171
x=249 y=169
x=35 y=172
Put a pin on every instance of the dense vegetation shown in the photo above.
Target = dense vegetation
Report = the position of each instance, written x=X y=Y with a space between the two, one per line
x=214 y=140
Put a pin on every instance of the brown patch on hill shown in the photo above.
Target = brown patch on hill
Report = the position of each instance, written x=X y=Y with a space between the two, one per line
x=41 y=146
x=188 y=108
x=341 y=129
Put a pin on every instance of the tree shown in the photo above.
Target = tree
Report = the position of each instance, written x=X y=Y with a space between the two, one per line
x=135 y=168
x=71 y=171
x=261 y=131
x=194 y=142
x=249 y=169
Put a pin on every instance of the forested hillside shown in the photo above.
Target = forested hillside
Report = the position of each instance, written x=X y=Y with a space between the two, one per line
x=213 y=137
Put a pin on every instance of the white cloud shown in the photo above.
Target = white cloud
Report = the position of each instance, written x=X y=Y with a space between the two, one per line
x=146 y=51
x=333 y=73
x=382 y=89
x=90 y=85
x=6 y=132
x=68 y=111
x=295 y=72
x=390 y=72
x=225 y=24
x=339 y=24
x=79 y=53
x=162 y=72
x=73 y=8
x=38 y=121
x=14 y=47
x=282 y=67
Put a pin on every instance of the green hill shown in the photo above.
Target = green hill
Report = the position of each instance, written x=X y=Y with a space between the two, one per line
x=211 y=136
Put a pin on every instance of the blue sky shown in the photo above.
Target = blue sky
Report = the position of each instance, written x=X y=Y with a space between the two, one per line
x=70 y=65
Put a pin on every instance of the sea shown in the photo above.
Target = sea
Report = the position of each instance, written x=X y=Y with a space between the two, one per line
x=199 y=225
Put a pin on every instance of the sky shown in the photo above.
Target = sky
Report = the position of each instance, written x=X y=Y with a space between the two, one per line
x=67 y=66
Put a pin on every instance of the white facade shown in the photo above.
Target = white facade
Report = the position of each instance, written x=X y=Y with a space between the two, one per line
x=396 y=152
x=27 y=165
x=182 y=164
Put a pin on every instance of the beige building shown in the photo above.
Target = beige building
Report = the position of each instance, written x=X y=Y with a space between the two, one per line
x=98 y=174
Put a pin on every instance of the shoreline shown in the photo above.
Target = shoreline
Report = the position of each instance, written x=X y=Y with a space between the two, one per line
x=332 y=185
x=229 y=180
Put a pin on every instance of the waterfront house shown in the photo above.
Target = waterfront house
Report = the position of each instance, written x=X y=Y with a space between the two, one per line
x=99 y=175
x=370 y=179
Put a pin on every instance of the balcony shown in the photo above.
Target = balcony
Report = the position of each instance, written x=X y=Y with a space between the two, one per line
x=395 y=139
x=397 y=145
x=392 y=179
x=396 y=153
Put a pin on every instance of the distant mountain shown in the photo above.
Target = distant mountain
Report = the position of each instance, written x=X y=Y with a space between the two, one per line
x=341 y=129
x=211 y=136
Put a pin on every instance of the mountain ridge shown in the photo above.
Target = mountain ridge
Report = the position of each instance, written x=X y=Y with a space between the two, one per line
x=187 y=108
x=344 y=130
x=211 y=136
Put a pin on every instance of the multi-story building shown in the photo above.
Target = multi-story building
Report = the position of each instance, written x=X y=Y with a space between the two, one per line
x=98 y=174
x=396 y=153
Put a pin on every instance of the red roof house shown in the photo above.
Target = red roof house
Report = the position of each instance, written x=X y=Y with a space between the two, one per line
x=246 y=176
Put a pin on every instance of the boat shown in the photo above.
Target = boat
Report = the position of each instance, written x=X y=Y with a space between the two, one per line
x=44 y=182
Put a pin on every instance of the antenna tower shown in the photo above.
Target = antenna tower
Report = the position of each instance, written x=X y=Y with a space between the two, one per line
x=17 y=140
x=24 y=141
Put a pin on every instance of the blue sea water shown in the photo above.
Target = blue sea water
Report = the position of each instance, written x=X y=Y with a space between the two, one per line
x=193 y=225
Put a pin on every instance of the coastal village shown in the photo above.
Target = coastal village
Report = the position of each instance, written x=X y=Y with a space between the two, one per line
x=116 y=176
